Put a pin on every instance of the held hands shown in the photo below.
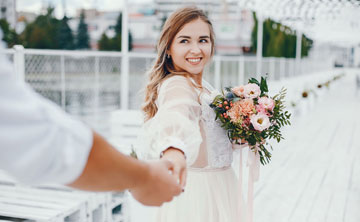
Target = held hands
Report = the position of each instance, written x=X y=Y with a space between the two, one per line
x=160 y=186
x=177 y=157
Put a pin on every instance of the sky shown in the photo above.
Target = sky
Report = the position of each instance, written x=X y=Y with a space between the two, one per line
x=72 y=5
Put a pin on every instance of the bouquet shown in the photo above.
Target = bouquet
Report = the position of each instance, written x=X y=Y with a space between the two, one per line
x=249 y=113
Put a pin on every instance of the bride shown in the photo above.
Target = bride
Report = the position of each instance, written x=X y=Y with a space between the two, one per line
x=180 y=125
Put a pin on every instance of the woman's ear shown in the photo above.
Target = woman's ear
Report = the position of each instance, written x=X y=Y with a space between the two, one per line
x=168 y=54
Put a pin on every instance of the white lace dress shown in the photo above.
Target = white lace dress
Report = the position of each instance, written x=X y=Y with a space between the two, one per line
x=186 y=121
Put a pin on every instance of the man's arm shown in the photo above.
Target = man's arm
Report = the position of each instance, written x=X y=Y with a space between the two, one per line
x=108 y=169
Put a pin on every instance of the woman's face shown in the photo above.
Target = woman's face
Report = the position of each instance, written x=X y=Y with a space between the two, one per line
x=191 y=47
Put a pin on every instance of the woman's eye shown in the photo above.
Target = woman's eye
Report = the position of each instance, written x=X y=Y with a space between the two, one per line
x=184 y=41
x=203 y=40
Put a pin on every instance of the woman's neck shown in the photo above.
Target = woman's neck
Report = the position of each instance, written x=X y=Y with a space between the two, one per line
x=198 y=79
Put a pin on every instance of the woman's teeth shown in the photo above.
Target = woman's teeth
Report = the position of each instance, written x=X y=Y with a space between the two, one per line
x=194 y=60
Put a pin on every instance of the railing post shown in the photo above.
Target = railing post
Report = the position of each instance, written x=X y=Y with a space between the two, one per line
x=97 y=89
x=19 y=62
x=125 y=59
x=241 y=74
x=295 y=67
x=298 y=50
x=282 y=68
x=259 y=46
x=272 y=68
x=217 y=77
x=63 y=81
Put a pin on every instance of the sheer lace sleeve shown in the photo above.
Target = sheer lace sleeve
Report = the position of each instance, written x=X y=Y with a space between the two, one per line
x=176 y=124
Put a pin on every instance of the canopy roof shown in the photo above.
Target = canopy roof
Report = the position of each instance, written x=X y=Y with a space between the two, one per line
x=328 y=20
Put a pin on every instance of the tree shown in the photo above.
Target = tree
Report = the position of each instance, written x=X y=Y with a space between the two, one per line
x=278 y=40
x=82 y=38
x=114 y=44
x=65 y=35
x=40 y=33
x=8 y=35
x=104 y=43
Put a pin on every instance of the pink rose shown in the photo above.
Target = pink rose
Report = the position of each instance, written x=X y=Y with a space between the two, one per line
x=260 y=109
x=267 y=103
x=251 y=91
x=246 y=122
x=260 y=121
x=239 y=91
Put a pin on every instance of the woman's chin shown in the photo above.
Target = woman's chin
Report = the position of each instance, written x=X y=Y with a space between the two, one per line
x=194 y=72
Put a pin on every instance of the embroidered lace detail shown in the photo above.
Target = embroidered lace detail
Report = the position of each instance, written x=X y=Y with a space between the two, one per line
x=218 y=145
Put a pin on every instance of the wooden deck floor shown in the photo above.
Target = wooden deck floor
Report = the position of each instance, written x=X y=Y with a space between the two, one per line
x=315 y=173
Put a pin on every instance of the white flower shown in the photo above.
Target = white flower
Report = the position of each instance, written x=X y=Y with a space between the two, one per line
x=251 y=91
x=260 y=121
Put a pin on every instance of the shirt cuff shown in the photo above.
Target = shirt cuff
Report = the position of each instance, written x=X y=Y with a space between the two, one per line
x=172 y=142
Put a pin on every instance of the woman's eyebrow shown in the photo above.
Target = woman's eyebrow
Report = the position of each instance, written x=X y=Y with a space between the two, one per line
x=184 y=36
x=188 y=37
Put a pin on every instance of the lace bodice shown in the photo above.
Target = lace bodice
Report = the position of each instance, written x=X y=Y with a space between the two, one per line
x=218 y=147
x=186 y=121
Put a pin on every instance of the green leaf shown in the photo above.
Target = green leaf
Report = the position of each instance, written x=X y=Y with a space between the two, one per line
x=263 y=85
x=253 y=80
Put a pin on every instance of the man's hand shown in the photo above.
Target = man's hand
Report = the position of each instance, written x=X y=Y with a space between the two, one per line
x=161 y=186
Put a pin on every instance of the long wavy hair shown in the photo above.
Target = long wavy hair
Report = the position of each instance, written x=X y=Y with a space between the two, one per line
x=164 y=67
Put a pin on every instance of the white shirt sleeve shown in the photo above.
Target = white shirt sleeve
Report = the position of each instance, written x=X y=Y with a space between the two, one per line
x=39 y=143
x=176 y=123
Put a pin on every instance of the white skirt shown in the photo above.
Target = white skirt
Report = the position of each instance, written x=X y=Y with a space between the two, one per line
x=210 y=196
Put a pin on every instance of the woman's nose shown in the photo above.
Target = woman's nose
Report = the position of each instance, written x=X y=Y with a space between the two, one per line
x=195 y=49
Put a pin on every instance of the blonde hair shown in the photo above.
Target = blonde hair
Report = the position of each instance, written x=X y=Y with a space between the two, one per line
x=163 y=67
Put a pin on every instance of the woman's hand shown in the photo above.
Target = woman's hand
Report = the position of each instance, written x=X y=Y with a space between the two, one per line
x=159 y=186
x=177 y=157
x=242 y=143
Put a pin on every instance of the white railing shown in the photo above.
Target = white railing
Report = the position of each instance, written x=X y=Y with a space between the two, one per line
x=90 y=83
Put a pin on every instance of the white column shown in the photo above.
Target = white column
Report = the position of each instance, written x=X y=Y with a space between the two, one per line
x=298 y=52
x=259 y=45
x=217 y=78
x=125 y=59
x=19 y=62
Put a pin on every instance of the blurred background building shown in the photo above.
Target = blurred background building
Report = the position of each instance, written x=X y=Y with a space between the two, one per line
x=8 y=11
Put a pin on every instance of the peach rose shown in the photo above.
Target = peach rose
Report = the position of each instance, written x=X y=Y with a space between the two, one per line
x=247 y=107
x=235 y=113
